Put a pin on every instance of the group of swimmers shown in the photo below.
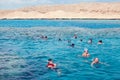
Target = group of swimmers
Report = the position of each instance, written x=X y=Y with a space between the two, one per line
x=85 y=54
x=52 y=65
x=44 y=37
x=89 y=41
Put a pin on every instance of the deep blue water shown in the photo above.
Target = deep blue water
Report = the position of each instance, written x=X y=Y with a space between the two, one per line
x=24 y=55
x=61 y=23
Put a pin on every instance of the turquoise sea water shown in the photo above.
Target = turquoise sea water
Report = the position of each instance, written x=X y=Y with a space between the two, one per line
x=24 y=55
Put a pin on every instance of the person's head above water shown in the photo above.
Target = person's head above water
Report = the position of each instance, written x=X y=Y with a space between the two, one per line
x=72 y=45
x=100 y=42
x=51 y=64
x=85 y=53
x=59 y=39
x=96 y=60
x=90 y=40
x=45 y=37
x=85 y=50
x=75 y=36
x=49 y=59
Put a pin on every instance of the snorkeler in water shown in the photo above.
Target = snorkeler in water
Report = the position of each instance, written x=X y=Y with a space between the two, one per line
x=86 y=54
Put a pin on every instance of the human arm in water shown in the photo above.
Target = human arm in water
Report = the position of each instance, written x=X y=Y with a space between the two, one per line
x=104 y=63
x=92 y=64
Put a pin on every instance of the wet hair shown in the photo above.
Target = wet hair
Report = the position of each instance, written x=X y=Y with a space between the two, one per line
x=100 y=41
x=49 y=59
x=95 y=58
x=72 y=45
x=59 y=39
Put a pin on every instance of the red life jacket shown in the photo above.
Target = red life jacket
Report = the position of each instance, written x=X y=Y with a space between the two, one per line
x=50 y=65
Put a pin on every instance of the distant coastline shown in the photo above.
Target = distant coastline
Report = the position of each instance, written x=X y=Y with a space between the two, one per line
x=61 y=19
x=82 y=11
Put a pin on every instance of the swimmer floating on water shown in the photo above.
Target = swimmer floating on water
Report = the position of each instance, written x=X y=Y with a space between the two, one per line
x=50 y=64
x=96 y=61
